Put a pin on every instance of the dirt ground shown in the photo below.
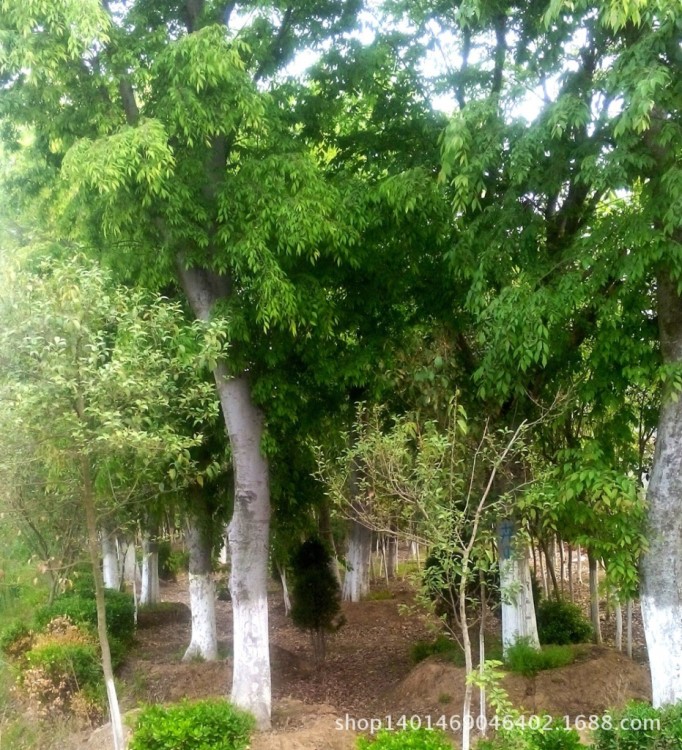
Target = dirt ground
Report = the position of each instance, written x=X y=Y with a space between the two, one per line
x=369 y=674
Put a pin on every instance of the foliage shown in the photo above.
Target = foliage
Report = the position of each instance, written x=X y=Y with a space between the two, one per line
x=639 y=726
x=16 y=639
x=562 y=622
x=406 y=739
x=523 y=658
x=200 y=725
x=553 y=737
x=441 y=646
x=316 y=597
x=81 y=608
x=61 y=672
x=171 y=562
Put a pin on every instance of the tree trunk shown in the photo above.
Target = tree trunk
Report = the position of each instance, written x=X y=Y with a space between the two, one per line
x=93 y=547
x=518 y=612
x=249 y=529
x=130 y=571
x=661 y=596
x=356 y=580
x=149 y=590
x=550 y=568
x=619 y=626
x=483 y=713
x=391 y=557
x=110 y=570
x=594 y=597
x=628 y=628
x=204 y=640
x=571 y=590
x=281 y=569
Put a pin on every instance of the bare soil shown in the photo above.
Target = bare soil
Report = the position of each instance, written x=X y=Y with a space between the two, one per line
x=368 y=674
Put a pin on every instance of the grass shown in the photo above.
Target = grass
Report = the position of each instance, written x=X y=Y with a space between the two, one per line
x=442 y=646
x=379 y=595
x=523 y=659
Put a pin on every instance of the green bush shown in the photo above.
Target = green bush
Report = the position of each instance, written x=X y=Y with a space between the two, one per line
x=641 y=727
x=442 y=646
x=81 y=608
x=554 y=737
x=197 y=725
x=528 y=661
x=16 y=639
x=316 y=597
x=407 y=739
x=561 y=623
x=171 y=562
x=77 y=664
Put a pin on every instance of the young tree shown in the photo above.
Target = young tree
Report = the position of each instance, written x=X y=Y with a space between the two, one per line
x=82 y=386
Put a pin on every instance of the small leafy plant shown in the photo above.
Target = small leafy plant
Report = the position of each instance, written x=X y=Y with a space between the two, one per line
x=639 y=726
x=199 y=725
x=406 y=739
x=442 y=646
x=523 y=659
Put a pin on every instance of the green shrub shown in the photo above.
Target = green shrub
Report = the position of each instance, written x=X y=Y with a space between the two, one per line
x=528 y=661
x=16 y=639
x=316 y=597
x=561 y=623
x=406 y=739
x=81 y=608
x=442 y=646
x=171 y=562
x=198 y=725
x=641 y=727
x=61 y=673
x=553 y=737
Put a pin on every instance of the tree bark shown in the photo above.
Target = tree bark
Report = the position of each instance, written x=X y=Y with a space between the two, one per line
x=248 y=531
x=356 y=580
x=110 y=567
x=93 y=547
x=149 y=589
x=204 y=640
x=518 y=612
x=594 y=597
x=661 y=591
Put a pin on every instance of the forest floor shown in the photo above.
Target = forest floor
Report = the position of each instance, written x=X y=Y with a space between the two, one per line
x=369 y=673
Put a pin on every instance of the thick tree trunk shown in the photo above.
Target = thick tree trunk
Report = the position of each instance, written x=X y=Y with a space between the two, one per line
x=110 y=566
x=249 y=529
x=356 y=580
x=204 y=640
x=149 y=590
x=248 y=538
x=130 y=570
x=518 y=612
x=661 y=596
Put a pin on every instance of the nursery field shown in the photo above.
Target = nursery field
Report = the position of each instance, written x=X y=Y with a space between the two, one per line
x=370 y=677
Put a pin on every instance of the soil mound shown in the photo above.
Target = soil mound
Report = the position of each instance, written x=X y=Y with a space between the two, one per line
x=600 y=679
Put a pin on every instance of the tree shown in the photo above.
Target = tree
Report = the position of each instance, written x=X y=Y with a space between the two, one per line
x=569 y=226
x=83 y=390
x=316 y=596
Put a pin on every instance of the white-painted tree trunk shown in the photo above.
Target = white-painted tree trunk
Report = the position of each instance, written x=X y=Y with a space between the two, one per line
x=594 y=598
x=249 y=529
x=518 y=612
x=356 y=580
x=204 y=639
x=619 y=626
x=110 y=563
x=149 y=590
x=661 y=593
x=130 y=570
x=628 y=628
